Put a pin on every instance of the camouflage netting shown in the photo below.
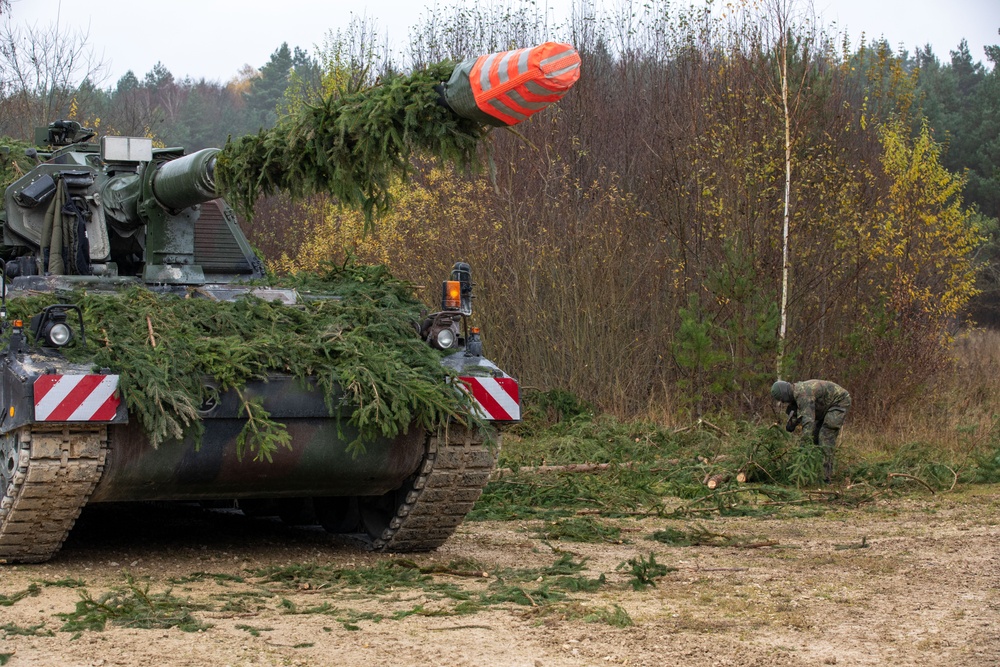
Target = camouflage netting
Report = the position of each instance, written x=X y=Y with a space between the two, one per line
x=363 y=344
x=350 y=146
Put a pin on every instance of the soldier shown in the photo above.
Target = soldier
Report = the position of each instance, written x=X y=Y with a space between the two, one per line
x=820 y=406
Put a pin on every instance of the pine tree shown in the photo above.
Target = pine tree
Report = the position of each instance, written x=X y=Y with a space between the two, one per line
x=266 y=91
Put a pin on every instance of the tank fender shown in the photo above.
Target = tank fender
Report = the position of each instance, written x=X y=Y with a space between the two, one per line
x=50 y=398
x=16 y=398
x=92 y=397
x=495 y=393
x=496 y=398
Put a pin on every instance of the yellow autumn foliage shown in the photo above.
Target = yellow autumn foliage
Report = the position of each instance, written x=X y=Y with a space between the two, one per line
x=417 y=238
x=616 y=224
x=920 y=234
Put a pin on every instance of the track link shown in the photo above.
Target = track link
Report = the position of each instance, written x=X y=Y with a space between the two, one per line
x=450 y=480
x=53 y=471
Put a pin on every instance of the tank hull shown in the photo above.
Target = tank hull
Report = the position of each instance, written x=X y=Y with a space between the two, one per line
x=317 y=465
x=210 y=467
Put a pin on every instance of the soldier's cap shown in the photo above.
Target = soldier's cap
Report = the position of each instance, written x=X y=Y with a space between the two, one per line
x=782 y=391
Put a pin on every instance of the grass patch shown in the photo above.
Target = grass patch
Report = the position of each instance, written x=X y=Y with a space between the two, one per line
x=289 y=607
x=379 y=579
x=350 y=618
x=243 y=602
x=863 y=544
x=687 y=623
x=986 y=467
x=615 y=616
x=642 y=469
x=536 y=588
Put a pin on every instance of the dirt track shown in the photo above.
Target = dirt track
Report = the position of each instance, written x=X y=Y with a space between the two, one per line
x=908 y=581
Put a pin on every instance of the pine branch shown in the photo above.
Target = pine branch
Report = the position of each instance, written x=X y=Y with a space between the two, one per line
x=351 y=146
x=360 y=351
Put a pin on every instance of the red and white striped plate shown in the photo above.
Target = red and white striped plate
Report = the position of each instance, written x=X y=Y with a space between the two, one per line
x=76 y=398
x=497 y=397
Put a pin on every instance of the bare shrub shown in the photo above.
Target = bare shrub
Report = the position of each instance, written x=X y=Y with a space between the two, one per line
x=628 y=244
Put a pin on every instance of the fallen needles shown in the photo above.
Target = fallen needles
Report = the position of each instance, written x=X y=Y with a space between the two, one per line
x=719 y=498
x=601 y=467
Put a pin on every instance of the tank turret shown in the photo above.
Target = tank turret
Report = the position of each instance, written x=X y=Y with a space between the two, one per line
x=122 y=208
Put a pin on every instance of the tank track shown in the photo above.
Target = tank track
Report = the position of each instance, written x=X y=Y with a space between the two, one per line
x=54 y=471
x=450 y=480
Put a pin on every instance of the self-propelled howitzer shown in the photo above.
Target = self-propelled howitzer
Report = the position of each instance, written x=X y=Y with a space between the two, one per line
x=113 y=215
x=116 y=214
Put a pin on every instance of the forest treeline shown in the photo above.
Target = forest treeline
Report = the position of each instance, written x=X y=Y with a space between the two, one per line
x=627 y=243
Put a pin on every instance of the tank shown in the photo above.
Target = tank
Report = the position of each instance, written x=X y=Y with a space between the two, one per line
x=112 y=214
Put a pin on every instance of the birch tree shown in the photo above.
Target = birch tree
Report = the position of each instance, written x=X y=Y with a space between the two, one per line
x=40 y=69
x=780 y=19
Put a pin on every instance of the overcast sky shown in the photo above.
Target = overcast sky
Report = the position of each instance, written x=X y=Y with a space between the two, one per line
x=213 y=39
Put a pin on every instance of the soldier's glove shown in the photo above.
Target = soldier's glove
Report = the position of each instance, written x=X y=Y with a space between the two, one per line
x=793 y=422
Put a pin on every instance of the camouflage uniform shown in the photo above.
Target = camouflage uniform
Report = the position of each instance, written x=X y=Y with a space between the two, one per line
x=821 y=407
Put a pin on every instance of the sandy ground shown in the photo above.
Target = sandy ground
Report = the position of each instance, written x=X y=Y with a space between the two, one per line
x=923 y=590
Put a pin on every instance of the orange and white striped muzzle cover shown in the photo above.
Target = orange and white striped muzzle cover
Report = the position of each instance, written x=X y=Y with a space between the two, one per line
x=510 y=86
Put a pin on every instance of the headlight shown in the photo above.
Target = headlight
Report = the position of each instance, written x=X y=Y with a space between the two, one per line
x=51 y=329
x=59 y=334
x=445 y=338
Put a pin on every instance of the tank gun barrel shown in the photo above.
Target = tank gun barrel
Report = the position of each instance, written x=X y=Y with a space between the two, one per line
x=186 y=181
x=162 y=193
